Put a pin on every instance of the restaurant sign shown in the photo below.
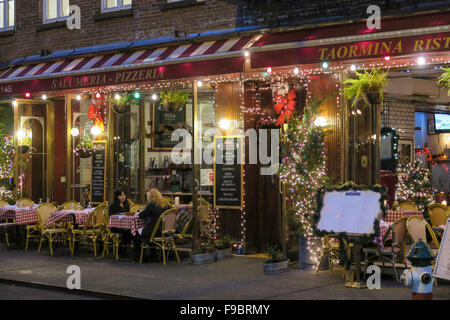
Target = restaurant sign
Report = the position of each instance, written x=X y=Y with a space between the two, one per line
x=122 y=76
x=352 y=50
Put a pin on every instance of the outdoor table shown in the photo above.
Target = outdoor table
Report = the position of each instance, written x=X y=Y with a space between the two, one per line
x=22 y=216
x=81 y=216
x=121 y=221
x=392 y=215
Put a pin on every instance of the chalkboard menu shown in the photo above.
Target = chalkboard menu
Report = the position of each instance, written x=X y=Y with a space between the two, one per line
x=98 y=186
x=166 y=120
x=228 y=172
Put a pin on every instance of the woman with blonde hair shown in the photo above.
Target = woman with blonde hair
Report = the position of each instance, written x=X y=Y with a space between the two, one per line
x=155 y=207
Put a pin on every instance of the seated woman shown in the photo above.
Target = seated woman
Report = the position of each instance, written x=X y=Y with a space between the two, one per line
x=119 y=206
x=157 y=205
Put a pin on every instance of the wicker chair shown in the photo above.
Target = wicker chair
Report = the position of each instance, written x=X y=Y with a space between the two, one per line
x=71 y=205
x=24 y=203
x=438 y=214
x=50 y=233
x=407 y=206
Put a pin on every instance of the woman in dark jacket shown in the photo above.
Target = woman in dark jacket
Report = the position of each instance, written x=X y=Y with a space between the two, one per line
x=156 y=206
x=120 y=206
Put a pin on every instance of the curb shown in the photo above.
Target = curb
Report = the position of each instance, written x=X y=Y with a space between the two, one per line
x=75 y=292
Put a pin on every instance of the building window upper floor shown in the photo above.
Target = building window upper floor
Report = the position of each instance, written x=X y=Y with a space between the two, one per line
x=114 y=5
x=7 y=15
x=55 y=10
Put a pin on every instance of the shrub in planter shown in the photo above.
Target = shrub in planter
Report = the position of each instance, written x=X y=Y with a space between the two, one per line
x=276 y=263
x=205 y=254
x=223 y=248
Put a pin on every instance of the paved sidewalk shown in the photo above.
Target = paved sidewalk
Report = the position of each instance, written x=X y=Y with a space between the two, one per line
x=237 y=278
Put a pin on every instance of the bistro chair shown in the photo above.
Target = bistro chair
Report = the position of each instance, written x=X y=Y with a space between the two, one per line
x=391 y=254
x=3 y=203
x=168 y=221
x=90 y=230
x=438 y=214
x=170 y=201
x=71 y=205
x=33 y=231
x=5 y=226
x=50 y=233
x=24 y=203
x=136 y=207
x=417 y=229
x=108 y=237
x=202 y=202
x=407 y=206
x=184 y=221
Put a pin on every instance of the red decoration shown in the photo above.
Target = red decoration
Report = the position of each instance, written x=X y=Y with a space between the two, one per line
x=95 y=114
x=285 y=106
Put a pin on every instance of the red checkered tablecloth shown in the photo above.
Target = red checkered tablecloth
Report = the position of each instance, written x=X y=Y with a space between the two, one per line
x=23 y=216
x=392 y=215
x=81 y=216
x=120 y=221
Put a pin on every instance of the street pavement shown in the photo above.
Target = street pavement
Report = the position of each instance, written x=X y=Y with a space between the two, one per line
x=237 y=278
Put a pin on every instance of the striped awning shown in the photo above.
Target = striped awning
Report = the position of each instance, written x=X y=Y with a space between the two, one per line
x=169 y=55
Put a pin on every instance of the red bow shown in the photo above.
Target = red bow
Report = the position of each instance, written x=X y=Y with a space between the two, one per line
x=285 y=106
x=94 y=113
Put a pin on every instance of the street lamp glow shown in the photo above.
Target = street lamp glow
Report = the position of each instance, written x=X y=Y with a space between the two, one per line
x=320 y=122
x=96 y=131
x=224 y=124
x=74 y=132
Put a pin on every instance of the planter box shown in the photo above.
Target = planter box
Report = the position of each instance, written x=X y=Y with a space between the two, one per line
x=276 y=267
x=203 y=258
x=223 y=254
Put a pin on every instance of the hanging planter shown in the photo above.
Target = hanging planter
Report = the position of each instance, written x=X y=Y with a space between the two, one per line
x=444 y=79
x=85 y=153
x=120 y=103
x=85 y=146
x=173 y=100
x=24 y=149
x=369 y=86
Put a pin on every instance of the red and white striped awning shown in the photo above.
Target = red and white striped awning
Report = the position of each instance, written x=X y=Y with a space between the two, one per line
x=174 y=54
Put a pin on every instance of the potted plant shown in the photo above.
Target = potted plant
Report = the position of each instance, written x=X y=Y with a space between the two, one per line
x=25 y=144
x=276 y=263
x=120 y=103
x=85 y=146
x=174 y=100
x=223 y=248
x=444 y=79
x=205 y=254
x=369 y=85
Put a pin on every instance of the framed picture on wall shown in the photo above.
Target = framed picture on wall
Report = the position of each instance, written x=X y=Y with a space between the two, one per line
x=405 y=151
x=431 y=129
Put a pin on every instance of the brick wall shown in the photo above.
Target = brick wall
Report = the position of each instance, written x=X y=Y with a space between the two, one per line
x=399 y=115
x=148 y=21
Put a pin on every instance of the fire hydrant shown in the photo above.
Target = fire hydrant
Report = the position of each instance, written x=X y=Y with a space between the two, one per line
x=420 y=276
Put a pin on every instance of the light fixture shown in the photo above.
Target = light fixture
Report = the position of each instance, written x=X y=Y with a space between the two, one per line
x=21 y=135
x=74 y=132
x=44 y=97
x=353 y=67
x=320 y=122
x=27 y=94
x=224 y=123
x=421 y=61
x=246 y=53
x=98 y=95
x=325 y=65
x=444 y=202
x=358 y=111
x=387 y=58
x=95 y=131
x=117 y=96
x=296 y=71
x=154 y=96
x=15 y=103
x=137 y=95
x=78 y=97
x=269 y=70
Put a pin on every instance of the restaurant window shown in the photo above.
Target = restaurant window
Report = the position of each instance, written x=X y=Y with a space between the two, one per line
x=7 y=14
x=113 y=5
x=55 y=10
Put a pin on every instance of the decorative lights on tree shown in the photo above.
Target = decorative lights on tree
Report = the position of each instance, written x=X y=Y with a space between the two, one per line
x=303 y=167
x=414 y=184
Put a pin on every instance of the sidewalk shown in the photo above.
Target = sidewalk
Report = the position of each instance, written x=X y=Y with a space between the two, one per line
x=237 y=278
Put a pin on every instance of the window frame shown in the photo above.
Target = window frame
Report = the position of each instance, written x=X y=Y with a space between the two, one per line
x=59 y=11
x=6 y=17
x=119 y=6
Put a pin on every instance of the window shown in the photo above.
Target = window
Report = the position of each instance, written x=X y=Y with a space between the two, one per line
x=56 y=10
x=6 y=15
x=113 y=5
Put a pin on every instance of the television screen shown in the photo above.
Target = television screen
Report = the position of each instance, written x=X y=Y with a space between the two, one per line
x=442 y=122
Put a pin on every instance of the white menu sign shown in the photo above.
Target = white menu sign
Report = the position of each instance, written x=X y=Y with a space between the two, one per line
x=352 y=211
x=442 y=266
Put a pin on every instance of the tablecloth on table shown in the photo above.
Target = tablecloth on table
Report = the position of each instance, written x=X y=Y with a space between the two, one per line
x=120 y=221
x=81 y=216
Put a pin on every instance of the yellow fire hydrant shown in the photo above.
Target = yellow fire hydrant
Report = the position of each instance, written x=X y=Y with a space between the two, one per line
x=420 y=276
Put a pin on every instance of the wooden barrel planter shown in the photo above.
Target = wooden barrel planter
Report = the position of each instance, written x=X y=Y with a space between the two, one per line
x=275 y=267
x=223 y=254
x=203 y=258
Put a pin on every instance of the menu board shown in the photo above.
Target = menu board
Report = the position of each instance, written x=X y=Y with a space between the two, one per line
x=442 y=266
x=98 y=185
x=165 y=121
x=352 y=211
x=228 y=172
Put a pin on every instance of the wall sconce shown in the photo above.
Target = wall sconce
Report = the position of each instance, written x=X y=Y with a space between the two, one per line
x=75 y=132
x=224 y=124
x=320 y=122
